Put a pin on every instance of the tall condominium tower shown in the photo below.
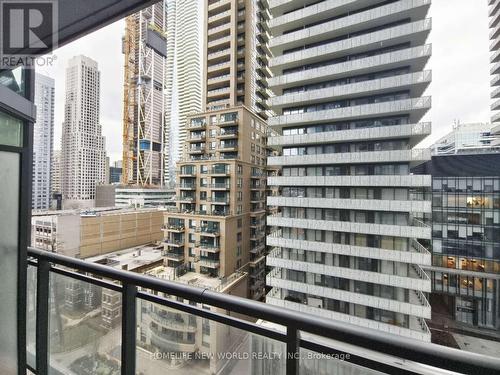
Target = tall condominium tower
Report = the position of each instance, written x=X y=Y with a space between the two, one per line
x=43 y=141
x=494 y=14
x=236 y=53
x=83 y=155
x=348 y=243
x=183 y=77
x=55 y=172
x=218 y=226
x=144 y=46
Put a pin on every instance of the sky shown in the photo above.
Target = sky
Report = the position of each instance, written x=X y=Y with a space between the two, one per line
x=460 y=71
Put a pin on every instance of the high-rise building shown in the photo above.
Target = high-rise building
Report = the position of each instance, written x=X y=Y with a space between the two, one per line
x=43 y=142
x=218 y=226
x=183 y=77
x=236 y=53
x=55 y=173
x=348 y=242
x=115 y=172
x=494 y=14
x=144 y=45
x=83 y=155
x=468 y=138
x=465 y=239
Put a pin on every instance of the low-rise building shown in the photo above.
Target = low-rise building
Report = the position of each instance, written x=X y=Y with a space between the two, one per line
x=86 y=234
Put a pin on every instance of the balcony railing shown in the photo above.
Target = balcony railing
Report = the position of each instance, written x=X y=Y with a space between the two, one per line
x=298 y=332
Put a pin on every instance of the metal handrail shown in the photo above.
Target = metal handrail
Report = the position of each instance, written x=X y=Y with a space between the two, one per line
x=294 y=321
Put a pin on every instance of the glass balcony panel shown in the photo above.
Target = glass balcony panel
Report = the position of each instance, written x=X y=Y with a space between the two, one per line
x=14 y=79
x=84 y=328
x=31 y=316
x=174 y=342
x=11 y=131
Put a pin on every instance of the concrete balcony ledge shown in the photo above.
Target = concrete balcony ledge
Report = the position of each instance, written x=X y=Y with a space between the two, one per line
x=415 y=155
x=412 y=256
x=412 y=283
x=353 y=45
x=405 y=231
x=417 y=131
x=416 y=106
x=365 y=20
x=353 y=204
x=374 y=181
x=420 y=310
x=416 y=83
x=418 y=334
x=353 y=67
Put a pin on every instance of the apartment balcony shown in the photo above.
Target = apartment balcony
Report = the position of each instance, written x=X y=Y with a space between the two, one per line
x=197 y=124
x=385 y=14
x=219 y=18
x=419 y=330
x=225 y=171
x=174 y=228
x=406 y=231
x=416 y=31
x=494 y=20
x=494 y=8
x=186 y=186
x=219 y=67
x=175 y=257
x=196 y=138
x=414 y=83
x=196 y=150
x=409 y=352
x=495 y=106
x=416 y=253
x=416 y=57
x=210 y=248
x=186 y=199
x=219 y=200
x=228 y=147
x=416 y=108
x=216 y=94
x=228 y=134
x=218 y=80
x=172 y=324
x=415 y=132
x=420 y=308
x=209 y=263
x=207 y=231
x=170 y=343
x=353 y=204
x=220 y=186
x=186 y=172
x=216 y=5
x=174 y=243
x=415 y=157
x=219 y=42
x=219 y=31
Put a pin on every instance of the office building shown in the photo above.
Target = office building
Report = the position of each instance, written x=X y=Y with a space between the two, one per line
x=84 y=234
x=82 y=144
x=115 y=172
x=465 y=239
x=183 y=77
x=144 y=46
x=130 y=196
x=350 y=240
x=43 y=142
x=468 y=138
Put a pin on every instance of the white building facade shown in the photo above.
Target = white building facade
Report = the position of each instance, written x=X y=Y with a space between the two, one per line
x=43 y=141
x=82 y=144
x=348 y=243
x=468 y=138
x=183 y=77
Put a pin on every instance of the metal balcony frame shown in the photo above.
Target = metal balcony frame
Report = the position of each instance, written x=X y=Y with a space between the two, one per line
x=130 y=285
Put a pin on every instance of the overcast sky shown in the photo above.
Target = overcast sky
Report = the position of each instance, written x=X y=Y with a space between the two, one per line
x=460 y=71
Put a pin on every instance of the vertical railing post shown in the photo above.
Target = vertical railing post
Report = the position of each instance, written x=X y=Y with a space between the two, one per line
x=129 y=317
x=292 y=351
x=42 y=317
